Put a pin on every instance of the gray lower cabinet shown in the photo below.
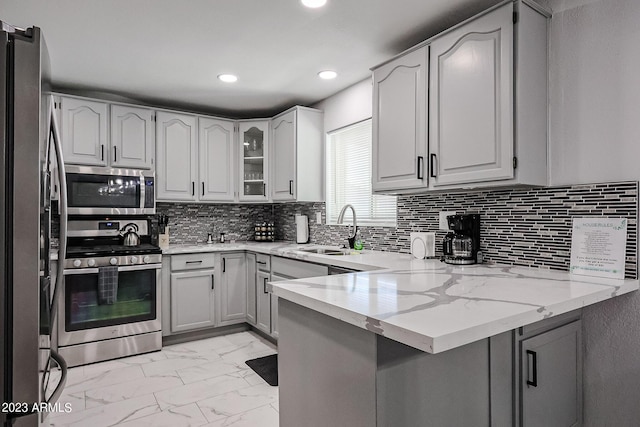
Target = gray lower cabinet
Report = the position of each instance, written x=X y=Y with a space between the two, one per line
x=251 y=288
x=192 y=300
x=263 y=302
x=233 y=288
x=360 y=378
x=551 y=372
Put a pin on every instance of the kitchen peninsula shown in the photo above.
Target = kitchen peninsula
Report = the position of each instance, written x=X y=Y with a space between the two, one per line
x=432 y=344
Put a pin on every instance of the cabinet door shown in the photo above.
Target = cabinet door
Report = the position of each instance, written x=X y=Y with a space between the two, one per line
x=132 y=137
x=216 y=147
x=551 y=384
x=84 y=132
x=399 y=123
x=471 y=101
x=233 y=289
x=283 y=131
x=251 y=288
x=176 y=155
x=254 y=160
x=274 y=307
x=192 y=300
x=263 y=313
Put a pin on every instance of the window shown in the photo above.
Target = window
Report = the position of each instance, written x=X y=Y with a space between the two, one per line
x=349 y=178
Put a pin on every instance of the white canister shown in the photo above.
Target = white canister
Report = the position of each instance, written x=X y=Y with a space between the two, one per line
x=423 y=245
x=302 y=229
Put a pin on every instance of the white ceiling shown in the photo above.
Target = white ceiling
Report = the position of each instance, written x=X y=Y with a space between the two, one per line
x=169 y=52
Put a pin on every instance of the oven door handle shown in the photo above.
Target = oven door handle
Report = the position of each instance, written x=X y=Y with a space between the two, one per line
x=74 y=271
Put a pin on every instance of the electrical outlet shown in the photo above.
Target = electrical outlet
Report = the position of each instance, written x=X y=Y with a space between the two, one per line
x=444 y=226
x=318 y=217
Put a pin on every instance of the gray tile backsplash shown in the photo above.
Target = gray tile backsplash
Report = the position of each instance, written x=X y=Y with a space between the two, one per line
x=530 y=227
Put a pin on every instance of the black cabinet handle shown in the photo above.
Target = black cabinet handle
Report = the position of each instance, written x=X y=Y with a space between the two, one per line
x=194 y=262
x=534 y=364
x=102 y=151
x=203 y=188
x=115 y=154
x=224 y=264
x=264 y=189
x=193 y=188
x=420 y=167
x=213 y=282
x=261 y=262
x=433 y=165
x=264 y=286
x=291 y=187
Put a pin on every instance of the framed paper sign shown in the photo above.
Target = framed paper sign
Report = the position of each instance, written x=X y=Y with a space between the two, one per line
x=598 y=247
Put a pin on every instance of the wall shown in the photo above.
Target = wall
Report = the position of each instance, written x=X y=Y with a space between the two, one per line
x=594 y=136
x=351 y=105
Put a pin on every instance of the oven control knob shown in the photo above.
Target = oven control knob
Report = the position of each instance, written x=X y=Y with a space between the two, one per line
x=91 y=263
x=146 y=260
x=113 y=261
x=77 y=263
x=134 y=259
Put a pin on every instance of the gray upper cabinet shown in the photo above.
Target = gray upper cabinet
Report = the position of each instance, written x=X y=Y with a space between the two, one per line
x=487 y=125
x=216 y=156
x=176 y=154
x=400 y=123
x=471 y=114
x=297 y=155
x=487 y=106
x=551 y=385
x=283 y=129
x=132 y=137
x=254 y=161
x=84 y=132
x=233 y=288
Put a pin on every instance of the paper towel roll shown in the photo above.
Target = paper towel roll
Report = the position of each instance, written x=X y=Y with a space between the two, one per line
x=302 y=229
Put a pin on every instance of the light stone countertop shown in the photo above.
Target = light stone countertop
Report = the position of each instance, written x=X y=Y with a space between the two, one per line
x=428 y=304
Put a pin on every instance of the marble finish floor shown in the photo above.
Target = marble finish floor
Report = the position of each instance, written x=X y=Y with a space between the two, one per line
x=199 y=383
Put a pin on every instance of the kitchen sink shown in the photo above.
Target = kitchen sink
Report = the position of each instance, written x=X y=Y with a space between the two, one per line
x=325 y=251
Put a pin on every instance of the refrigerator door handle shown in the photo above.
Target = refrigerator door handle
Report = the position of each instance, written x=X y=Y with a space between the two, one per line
x=62 y=251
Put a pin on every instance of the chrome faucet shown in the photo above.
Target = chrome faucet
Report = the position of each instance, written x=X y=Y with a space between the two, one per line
x=351 y=238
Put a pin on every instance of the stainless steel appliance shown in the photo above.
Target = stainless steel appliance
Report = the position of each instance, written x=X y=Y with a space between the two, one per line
x=106 y=191
x=110 y=303
x=462 y=245
x=28 y=144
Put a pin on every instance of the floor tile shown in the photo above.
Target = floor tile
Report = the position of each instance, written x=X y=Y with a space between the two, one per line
x=92 y=380
x=265 y=416
x=171 y=364
x=200 y=390
x=210 y=370
x=76 y=400
x=237 y=402
x=127 y=390
x=109 y=415
x=183 y=416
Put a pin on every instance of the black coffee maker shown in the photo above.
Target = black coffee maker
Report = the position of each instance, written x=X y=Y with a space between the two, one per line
x=462 y=244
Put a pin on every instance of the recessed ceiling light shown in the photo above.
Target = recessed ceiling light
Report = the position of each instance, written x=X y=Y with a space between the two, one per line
x=227 y=78
x=314 y=3
x=327 y=74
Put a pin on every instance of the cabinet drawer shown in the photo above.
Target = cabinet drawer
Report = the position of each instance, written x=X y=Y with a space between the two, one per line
x=192 y=261
x=297 y=269
x=264 y=262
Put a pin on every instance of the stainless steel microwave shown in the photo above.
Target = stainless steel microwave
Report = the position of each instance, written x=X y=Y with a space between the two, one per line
x=106 y=191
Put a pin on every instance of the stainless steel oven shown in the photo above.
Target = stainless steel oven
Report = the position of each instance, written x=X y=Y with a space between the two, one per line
x=110 y=303
x=106 y=191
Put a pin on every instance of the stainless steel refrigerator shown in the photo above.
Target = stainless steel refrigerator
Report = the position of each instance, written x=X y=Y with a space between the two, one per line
x=28 y=141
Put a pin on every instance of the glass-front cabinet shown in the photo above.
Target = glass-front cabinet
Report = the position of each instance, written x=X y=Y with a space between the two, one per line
x=254 y=152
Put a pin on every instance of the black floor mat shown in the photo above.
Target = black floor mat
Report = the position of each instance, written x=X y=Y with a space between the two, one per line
x=266 y=367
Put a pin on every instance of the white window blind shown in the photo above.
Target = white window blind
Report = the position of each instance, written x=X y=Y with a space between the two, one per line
x=349 y=178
